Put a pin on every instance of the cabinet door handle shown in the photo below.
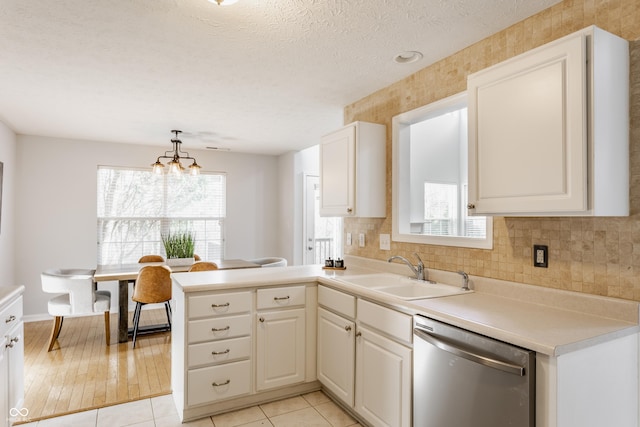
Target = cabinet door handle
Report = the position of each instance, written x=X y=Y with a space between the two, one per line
x=358 y=334
x=226 y=304
x=349 y=210
x=215 y=384
x=281 y=298
x=226 y=328
x=471 y=206
x=11 y=342
x=10 y=319
x=218 y=353
x=261 y=319
x=347 y=328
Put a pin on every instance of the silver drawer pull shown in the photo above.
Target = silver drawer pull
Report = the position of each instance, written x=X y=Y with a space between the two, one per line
x=226 y=304
x=226 y=328
x=218 y=353
x=10 y=319
x=281 y=298
x=214 y=384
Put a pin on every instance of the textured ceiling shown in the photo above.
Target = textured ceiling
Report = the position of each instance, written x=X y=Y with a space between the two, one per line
x=262 y=76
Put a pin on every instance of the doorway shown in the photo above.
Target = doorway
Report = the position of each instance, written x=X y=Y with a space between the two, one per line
x=322 y=236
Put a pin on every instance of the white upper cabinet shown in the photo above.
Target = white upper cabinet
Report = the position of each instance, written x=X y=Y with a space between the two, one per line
x=549 y=130
x=353 y=171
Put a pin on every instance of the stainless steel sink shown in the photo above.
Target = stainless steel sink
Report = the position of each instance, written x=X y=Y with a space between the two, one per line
x=402 y=287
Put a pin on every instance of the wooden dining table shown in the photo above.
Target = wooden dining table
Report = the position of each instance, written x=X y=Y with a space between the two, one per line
x=125 y=273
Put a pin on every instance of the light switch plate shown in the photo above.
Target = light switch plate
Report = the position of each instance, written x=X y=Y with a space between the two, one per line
x=361 y=240
x=348 y=239
x=385 y=242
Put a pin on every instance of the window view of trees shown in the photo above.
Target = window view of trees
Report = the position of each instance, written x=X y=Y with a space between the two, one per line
x=135 y=207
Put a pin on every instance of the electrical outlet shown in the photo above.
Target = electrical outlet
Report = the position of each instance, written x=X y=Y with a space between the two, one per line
x=385 y=242
x=361 y=240
x=348 y=239
x=540 y=256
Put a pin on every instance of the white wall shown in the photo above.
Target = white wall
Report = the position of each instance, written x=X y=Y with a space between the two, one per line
x=292 y=169
x=56 y=204
x=7 y=218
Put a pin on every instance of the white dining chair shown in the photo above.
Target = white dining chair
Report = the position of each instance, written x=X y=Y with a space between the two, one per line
x=79 y=297
x=270 y=262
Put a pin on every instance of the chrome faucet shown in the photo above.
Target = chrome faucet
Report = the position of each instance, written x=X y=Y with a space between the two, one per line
x=465 y=278
x=419 y=271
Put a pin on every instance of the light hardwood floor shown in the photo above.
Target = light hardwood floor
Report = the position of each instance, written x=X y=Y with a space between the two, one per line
x=81 y=372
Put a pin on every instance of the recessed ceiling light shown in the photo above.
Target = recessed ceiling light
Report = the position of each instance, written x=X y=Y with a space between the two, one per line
x=224 y=2
x=407 y=57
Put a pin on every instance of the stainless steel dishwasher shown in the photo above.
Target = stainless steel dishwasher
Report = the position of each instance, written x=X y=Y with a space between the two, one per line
x=461 y=379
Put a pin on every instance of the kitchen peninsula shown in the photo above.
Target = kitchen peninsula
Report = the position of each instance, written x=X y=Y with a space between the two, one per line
x=260 y=326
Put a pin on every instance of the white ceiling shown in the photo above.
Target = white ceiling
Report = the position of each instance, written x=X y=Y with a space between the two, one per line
x=261 y=76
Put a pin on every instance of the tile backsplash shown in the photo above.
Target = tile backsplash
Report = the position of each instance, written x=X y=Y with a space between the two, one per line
x=598 y=256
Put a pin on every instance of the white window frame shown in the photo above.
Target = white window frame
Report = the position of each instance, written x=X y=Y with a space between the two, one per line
x=206 y=247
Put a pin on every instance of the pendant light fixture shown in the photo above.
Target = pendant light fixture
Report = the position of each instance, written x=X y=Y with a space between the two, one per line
x=175 y=167
x=224 y=2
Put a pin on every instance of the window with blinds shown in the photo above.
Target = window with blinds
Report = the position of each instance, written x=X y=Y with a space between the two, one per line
x=441 y=212
x=440 y=209
x=135 y=207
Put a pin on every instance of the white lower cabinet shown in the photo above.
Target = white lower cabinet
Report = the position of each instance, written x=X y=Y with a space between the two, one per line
x=4 y=384
x=383 y=380
x=366 y=363
x=219 y=347
x=11 y=360
x=236 y=349
x=336 y=354
x=280 y=348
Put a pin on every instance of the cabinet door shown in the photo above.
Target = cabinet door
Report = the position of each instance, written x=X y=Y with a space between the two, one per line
x=336 y=354
x=280 y=342
x=528 y=132
x=383 y=380
x=15 y=356
x=4 y=384
x=337 y=173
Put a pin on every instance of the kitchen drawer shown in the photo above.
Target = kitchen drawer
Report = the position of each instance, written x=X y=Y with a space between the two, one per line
x=287 y=296
x=10 y=316
x=218 y=382
x=219 y=328
x=393 y=323
x=337 y=301
x=219 y=304
x=217 y=352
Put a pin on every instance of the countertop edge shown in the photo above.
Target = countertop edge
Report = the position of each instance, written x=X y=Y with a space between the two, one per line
x=8 y=293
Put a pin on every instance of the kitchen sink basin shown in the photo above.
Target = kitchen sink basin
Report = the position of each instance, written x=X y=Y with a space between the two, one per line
x=402 y=287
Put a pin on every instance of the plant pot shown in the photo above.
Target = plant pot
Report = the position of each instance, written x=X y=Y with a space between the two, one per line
x=177 y=262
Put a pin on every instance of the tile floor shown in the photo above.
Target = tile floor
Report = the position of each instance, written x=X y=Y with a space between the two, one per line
x=312 y=409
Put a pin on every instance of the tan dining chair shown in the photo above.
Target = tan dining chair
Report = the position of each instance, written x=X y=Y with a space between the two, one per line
x=78 y=298
x=196 y=257
x=203 y=266
x=151 y=258
x=153 y=286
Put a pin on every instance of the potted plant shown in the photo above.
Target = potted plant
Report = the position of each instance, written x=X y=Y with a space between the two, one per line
x=179 y=248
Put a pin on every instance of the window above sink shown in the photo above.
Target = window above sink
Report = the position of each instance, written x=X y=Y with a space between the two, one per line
x=430 y=178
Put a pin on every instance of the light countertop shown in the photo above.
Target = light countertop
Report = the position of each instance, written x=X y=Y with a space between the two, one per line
x=8 y=293
x=527 y=322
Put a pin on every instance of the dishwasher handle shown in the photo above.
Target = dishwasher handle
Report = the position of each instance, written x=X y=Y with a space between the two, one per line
x=486 y=361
